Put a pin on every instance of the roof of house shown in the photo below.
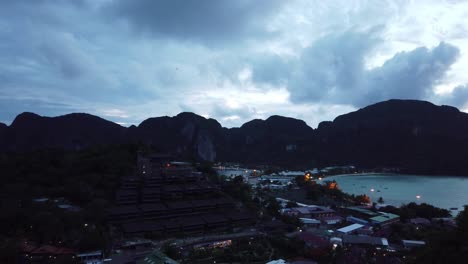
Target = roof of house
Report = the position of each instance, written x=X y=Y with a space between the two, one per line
x=192 y=221
x=350 y=228
x=214 y=218
x=362 y=211
x=384 y=217
x=157 y=257
x=51 y=250
x=313 y=240
x=309 y=221
x=153 y=207
x=151 y=190
x=125 y=192
x=124 y=209
x=233 y=215
x=353 y=239
x=420 y=221
x=413 y=242
x=179 y=205
x=206 y=202
x=143 y=226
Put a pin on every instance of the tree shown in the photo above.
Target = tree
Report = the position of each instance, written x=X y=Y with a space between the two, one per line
x=363 y=199
x=273 y=206
x=381 y=200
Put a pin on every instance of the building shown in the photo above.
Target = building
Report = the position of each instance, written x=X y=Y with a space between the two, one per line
x=310 y=222
x=360 y=212
x=168 y=197
x=310 y=211
x=331 y=220
x=420 y=221
x=384 y=219
x=349 y=229
x=316 y=246
x=368 y=241
x=94 y=257
x=360 y=215
x=412 y=243
x=46 y=254
x=356 y=220
x=156 y=257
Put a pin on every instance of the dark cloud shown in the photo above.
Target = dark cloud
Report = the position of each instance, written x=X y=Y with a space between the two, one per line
x=331 y=67
x=333 y=70
x=458 y=97
x=13 y=106
x=410 y=75
x=221 y=111
x=209 y=21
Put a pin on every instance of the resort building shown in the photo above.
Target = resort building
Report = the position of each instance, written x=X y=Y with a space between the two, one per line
x=168 y=197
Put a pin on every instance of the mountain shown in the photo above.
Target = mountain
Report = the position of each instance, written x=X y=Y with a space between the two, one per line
x=278 y=139
x=73 y=131
x=416 y=136
x=186 y=133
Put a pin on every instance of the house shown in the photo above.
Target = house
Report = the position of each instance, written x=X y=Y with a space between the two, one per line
x=124 y=213
x=150 y=195
x=310 y=222
x=156 y=257
x=215 y=221
x=153 y=211
x=126 y=196
x=349 y=229
x=365 y=241
x=94 y=257
x=315 y=245
x=331 y=220
x=360 y=212
x=413 y=243
x=310 y=211
x=384 y=219
x=240 y=218
x=142 y=227
x=47 y=254
x=356 y=220
x=192 y=225
x=420 y=221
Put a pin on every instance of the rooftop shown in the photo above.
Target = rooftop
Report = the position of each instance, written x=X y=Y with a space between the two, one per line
x=384 y=217
x=362 y=211
x=377 y=241
x=350 y=228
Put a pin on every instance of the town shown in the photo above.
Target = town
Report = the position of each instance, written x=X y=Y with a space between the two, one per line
x=169 y=211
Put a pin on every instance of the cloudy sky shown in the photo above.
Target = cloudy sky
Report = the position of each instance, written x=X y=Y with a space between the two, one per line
x=233 y=60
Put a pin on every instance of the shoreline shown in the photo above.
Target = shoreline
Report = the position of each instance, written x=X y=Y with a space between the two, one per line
x=453 y=212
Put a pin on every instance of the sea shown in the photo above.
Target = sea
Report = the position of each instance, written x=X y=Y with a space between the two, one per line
x=447 y=192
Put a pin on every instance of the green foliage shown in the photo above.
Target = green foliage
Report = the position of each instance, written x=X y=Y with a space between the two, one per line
x=291 y=204
x=447 y=246
x=381 y=200
x=413 y=210
x=273 y=206
x=86 y=179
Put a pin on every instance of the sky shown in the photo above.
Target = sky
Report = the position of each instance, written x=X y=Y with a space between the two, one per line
x=128 y=60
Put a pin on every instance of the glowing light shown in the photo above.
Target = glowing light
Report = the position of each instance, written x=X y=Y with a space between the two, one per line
x=418 y=196
x=320 y=178
x=371 y=190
